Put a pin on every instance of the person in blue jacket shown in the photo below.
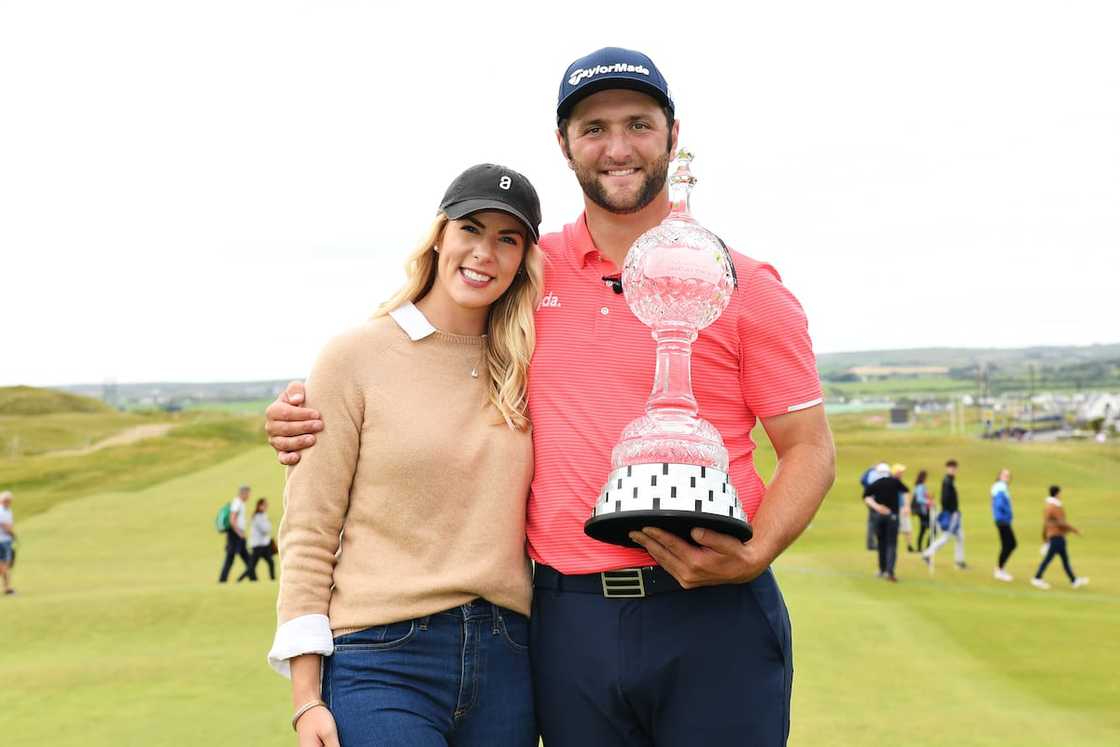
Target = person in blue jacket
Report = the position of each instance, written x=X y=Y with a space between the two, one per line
x=1001 y=512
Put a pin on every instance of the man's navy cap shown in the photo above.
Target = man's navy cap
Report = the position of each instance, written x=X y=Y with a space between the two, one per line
x=488 y=186
x=607 y=68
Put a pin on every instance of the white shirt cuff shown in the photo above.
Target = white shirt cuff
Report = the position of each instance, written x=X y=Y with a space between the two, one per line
x=306 y=634
x=805 y=405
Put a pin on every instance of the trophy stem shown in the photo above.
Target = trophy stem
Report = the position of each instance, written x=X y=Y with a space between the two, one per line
x=672 y=383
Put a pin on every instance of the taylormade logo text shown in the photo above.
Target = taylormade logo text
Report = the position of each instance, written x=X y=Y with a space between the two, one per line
x=591 y=72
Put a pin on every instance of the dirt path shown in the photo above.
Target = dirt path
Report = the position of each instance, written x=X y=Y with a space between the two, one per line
x=131 y=435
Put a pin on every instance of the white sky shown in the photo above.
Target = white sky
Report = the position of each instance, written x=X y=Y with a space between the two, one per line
x=197 y=191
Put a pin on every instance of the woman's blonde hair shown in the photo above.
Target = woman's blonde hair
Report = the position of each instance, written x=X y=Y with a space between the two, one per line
x=510 y=334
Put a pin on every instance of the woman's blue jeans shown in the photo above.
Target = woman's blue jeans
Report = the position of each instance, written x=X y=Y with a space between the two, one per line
x=459 y=678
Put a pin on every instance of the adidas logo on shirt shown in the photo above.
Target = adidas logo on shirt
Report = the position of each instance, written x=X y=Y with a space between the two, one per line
x=550 y=301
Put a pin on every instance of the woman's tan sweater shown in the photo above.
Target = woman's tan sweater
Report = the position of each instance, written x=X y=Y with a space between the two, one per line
x=413 y=499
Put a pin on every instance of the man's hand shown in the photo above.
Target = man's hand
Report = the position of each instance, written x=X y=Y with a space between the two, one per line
x=289 y=426
x=805 y=471
x=720 y=558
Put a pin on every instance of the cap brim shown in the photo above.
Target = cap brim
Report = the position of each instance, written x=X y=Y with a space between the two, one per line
x=606 y=84
x=466 y=207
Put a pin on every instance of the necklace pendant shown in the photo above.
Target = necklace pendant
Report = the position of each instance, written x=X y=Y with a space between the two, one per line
x=474 y=372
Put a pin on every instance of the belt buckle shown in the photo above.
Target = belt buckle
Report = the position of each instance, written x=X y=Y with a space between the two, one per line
x=627 y=583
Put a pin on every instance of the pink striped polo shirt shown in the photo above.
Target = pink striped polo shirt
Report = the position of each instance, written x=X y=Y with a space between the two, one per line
x=592 y=372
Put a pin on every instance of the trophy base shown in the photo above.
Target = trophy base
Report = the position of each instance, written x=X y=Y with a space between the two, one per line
x=671 y=496
x=615 y=528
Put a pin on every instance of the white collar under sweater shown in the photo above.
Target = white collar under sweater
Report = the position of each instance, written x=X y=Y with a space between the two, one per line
x=1053 y=501
x=412 y=321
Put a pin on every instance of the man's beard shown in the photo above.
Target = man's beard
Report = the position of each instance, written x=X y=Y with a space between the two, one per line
x=654 y=182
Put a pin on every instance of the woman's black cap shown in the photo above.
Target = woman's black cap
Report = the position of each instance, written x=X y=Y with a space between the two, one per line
x=488 y=186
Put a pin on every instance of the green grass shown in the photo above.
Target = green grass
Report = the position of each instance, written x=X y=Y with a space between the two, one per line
x=240 y=407
x=940 y=386
x=119 y=634
x=934 y=385
x=882 y=664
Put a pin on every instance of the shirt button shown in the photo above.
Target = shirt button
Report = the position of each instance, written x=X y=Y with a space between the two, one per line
x=604 y=311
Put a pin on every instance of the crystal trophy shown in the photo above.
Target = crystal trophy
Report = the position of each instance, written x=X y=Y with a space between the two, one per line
x=669 y=470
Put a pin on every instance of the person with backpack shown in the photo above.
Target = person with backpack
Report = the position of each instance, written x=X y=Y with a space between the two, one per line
x=870 y=475
x=260 y=542
x=235 y=524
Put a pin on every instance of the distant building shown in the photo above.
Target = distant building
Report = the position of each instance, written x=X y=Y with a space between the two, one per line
x=1103 y=406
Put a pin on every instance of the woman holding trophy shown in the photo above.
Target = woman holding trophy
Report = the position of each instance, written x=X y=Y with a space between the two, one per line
x=405 y=586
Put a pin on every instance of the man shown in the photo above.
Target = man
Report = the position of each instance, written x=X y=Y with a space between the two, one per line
x=235 y=537
x=870 y=475
x=1002 y=514
x=949 y=521
x=884 y=496
x=1054 y=531
x=704 y=655
x=7 y=537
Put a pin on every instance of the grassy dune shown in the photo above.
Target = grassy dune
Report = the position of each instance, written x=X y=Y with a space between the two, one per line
x=120 y=635
x=47 y=477
x=29 y=400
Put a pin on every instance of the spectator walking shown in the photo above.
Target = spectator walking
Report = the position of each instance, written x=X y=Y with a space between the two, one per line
x=922 y=505
x=235 y=536
x=260 y=542
x=7 y=539
x=949 y=521
x=884 y=497
x=1002 y=513
x=1054 y=531
x=904 y=521
x=870 y=475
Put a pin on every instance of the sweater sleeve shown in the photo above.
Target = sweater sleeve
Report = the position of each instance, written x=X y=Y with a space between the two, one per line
x=317 y=494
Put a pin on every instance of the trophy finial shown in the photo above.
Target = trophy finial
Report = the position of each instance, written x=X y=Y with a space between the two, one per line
x=681 y=183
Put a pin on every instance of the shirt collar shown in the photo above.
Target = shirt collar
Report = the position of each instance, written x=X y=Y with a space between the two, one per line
x=412 y=321
x=1053 y=501
x=582 y=244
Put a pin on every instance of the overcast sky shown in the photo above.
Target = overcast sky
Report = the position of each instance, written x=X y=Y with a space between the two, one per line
x=204 y=191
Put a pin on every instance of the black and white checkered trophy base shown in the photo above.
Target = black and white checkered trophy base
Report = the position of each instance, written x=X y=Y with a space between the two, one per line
x=673 y=497
x=669 y=470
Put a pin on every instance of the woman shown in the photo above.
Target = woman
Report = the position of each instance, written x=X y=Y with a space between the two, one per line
x=921 y=505
x=260 y=542
x=405 y=584
x=1002 y=514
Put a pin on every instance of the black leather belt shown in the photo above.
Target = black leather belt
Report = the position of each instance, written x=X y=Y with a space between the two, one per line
x=627 y=583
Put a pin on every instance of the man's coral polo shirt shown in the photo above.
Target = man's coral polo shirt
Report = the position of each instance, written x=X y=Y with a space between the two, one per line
x=592 y=372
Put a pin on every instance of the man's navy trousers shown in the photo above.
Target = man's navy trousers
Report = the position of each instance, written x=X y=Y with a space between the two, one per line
x=709 y=666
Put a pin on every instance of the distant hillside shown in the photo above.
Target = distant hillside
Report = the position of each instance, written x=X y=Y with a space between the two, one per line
x=1007 y=359
x=990 y=370
x=985 y=371
x=28 y=400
